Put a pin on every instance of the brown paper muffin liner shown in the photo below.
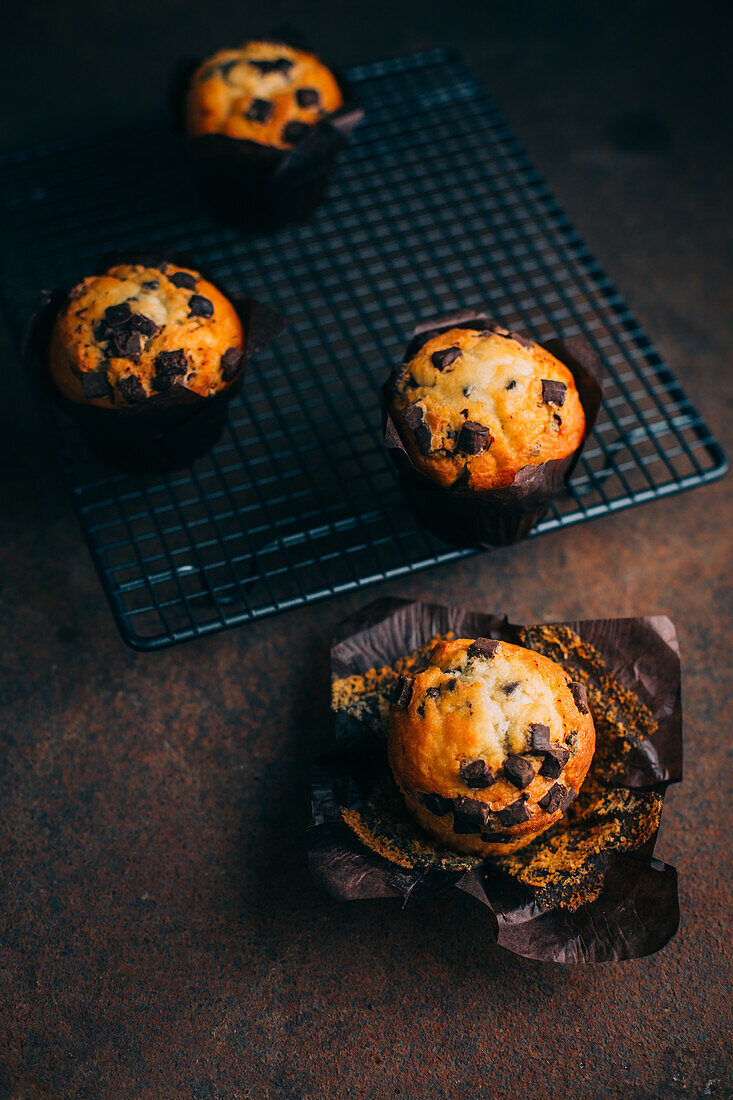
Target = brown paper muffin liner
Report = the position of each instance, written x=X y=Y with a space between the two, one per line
x=163 y=432
x=588 y=889
x=493 y=517
x=256 y=187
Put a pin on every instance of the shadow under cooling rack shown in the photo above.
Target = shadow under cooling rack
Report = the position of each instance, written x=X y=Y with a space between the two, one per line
x=434 y=206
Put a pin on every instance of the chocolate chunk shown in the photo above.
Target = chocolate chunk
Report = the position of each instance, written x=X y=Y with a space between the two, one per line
x=403 y=691
x=557 y=798
x=452 y=684
x=183 y=279
x=482 y=647
x=436 y=804
x=259 y=110
x=169 y=366
x=511 y=385
x=515 y=814
x=307 y=97
x=414 y=418
x=230 y=363
x=445 y=356
x=521 y=340
x=553 y=393
x=476 y=774
x=295 y=131
x=580 y=697
x=539 y=737
x=125 y=344
x=278 y=65
x=519 y=771
x=140 y=323
x=102 y=331
x=116 y=316
x=95 y=384
x=473 y=438
x=198 y=306
x=131 y=389
x=510 y=687
x=432 y=693
x=469 y=816
x=554 y=762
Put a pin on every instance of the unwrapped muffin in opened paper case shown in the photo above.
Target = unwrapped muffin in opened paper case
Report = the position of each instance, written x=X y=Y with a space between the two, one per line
x=587 y=890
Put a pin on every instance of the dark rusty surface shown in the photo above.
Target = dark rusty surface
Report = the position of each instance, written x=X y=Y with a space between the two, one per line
x=158 y=934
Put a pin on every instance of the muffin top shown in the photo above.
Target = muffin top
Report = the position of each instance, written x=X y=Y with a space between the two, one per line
x=492 y=729
x=473 y=406
x=264 y=92
x=138 y=331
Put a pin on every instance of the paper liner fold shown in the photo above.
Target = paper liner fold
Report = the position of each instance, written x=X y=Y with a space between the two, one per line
x=493 y=517
x=601 y=895
x=164 y=431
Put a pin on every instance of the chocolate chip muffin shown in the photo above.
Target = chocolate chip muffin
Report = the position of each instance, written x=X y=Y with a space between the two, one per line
x=136 y=332
x=489 y=744
x=265 y=92
x=473 y=406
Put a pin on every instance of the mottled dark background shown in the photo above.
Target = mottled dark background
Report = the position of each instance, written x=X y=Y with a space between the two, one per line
x=158 y=934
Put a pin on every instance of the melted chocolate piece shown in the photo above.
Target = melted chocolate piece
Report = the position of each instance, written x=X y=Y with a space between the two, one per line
x=482 y=647
x=521 y=340
x=515 y=814
x=539 y=737
x=125 y=344
x=131 y=389
x=519 y=771
x=169 y=367
x=307 y=97
x=436 y=804
x=278 y=65
x=198 y=306
x=554 y=762
x=469 y=816
x=432 y=693
x=295 y=131
x=231 y=361
x=580 y=697
x=445 y=356
x=474 y=438
x=553 y=393
x=403 y=691
x=140 y=323
x=557 y=798
x=183 y=279
x=414 y=418
x=95 y=384
x=452 y=684
x=119 y=315
x=476 y=774
x=509 y=688
x=259 y=110
x=511 y=385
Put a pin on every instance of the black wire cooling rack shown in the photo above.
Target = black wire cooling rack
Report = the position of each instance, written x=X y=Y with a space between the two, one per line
x=434 y=206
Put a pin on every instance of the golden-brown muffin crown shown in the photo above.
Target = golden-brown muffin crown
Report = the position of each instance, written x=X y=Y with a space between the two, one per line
x=265 y=92
x=137 y=331
x=474 y=406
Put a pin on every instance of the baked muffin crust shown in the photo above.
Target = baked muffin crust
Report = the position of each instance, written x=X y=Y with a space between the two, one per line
x=489 y=744
x=138 y=331
x=265 y=92
x=473 y=406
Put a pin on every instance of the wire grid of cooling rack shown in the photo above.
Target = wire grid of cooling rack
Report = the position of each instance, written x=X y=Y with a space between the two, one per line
x=434 y=206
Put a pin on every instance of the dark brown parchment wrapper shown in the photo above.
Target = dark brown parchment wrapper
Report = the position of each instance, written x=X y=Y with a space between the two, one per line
x=493 y=517
x=256 y=187
x=587 y=890
x=168 y=430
